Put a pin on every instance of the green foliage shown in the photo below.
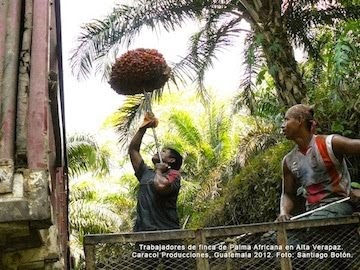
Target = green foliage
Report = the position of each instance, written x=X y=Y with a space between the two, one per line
x=93 y=217
x=334 y=88
x=205 y=135
x=259 y=96
x=253 y=194
x=344 y=55
x=211 y=139
x=186 y=198
x=124 y=118
x=108 y=201
x=96 y=204
x=257 y=139
x=85 y=155
x=220 y=25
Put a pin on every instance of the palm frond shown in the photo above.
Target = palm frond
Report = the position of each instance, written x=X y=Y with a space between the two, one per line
x=219 y=127
x=84 y=155
x=187 y=194
x=302 y=18
x=190 y=133
x=345 y=57
x=209 y=187
x=253 y=64
x=82 y=190
x=126 y=117
x=216 y=35
x=93 y=217
x=102 y=39
x=259 y=138
x=186 y=127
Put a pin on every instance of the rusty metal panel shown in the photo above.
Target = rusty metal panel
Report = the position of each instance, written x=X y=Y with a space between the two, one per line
x=32 y=146
x=61 y=210
x=9 y=85
x=23 y=86
x=9 y=57
x=37 y=136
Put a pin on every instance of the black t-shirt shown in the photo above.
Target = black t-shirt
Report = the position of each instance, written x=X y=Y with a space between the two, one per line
x=156 y=211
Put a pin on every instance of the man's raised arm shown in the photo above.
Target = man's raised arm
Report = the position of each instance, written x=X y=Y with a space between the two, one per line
x=134 y=148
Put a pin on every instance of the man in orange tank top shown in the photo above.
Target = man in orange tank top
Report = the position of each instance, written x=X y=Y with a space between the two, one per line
x=316 y=167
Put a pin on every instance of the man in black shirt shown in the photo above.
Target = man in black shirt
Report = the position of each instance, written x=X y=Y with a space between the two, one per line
x=159 y=187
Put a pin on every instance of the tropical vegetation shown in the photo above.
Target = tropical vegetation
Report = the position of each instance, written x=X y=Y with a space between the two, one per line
x=232 y=176
x=275 y=26
x=98 y=202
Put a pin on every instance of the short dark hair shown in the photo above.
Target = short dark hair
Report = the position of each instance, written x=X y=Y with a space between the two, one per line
x=176 y=165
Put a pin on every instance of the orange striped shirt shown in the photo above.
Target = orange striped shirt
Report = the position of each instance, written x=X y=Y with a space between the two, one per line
x=322 y=177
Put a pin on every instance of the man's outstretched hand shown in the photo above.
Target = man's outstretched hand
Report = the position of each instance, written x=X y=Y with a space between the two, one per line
x=283 y=218
x=150 y=121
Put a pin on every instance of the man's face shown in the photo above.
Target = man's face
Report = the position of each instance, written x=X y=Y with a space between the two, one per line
x=290 y=126
x=165 y=156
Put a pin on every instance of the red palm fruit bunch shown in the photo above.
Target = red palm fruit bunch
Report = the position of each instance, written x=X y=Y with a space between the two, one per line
x=139 y=70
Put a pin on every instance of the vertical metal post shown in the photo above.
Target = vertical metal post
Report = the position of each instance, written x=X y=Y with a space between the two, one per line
x=202 y=263
x=3 y=26
x=229 y=250
x=285 y=260
x=38 y=106
x=9 y=77
x=23 y=86
x=89 y=257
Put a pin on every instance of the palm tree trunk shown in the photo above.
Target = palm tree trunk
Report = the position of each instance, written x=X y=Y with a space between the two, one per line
x=279 y=56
